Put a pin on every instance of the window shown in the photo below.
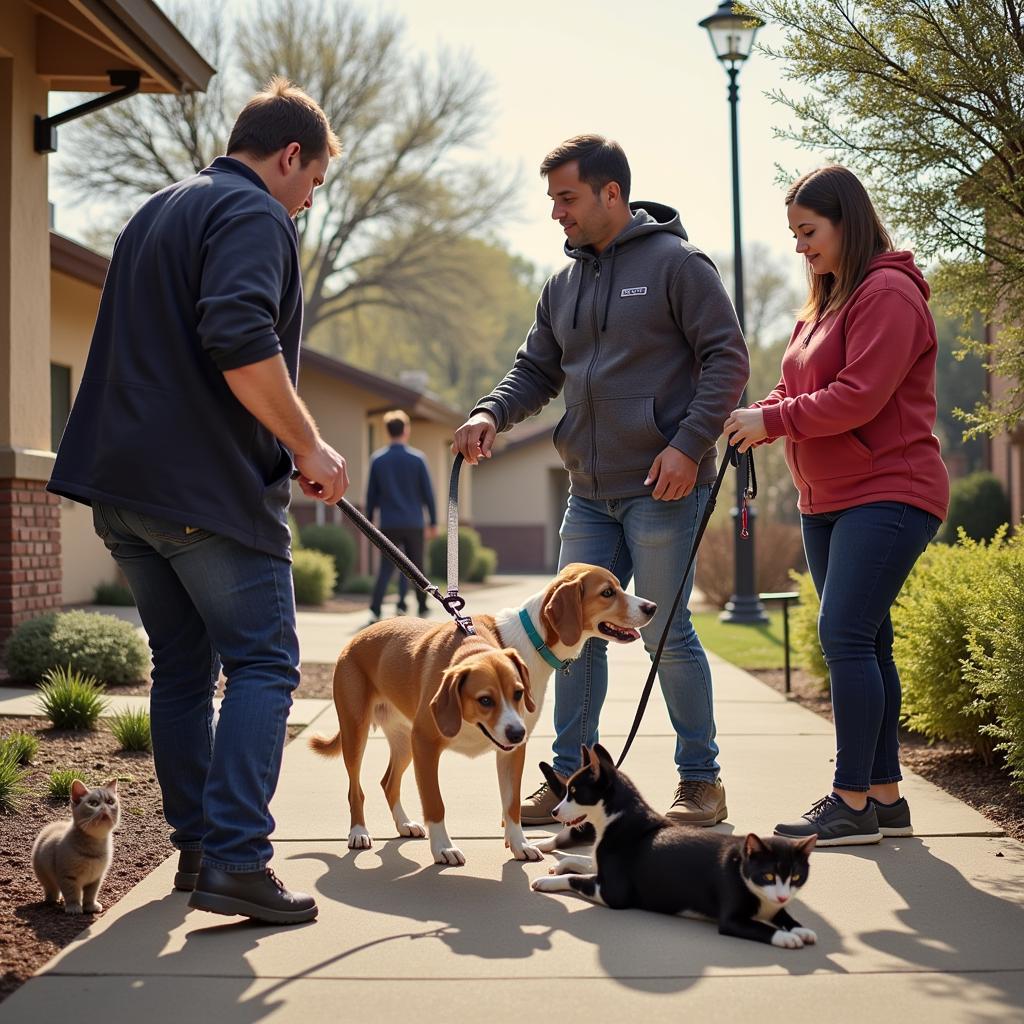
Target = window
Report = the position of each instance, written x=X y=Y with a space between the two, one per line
x=60 y=401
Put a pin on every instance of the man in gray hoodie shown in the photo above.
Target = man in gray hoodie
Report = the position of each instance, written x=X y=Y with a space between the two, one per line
x=640 y=334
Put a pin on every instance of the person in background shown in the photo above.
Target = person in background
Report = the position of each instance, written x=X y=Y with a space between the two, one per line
x=856 y=405
x=399 y=489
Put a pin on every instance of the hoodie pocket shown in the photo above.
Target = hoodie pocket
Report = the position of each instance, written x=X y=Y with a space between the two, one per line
x=831 y=458
x=572 y=438
x=627 y=434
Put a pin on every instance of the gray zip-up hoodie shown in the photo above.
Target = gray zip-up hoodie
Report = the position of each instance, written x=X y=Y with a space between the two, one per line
x=645 y=342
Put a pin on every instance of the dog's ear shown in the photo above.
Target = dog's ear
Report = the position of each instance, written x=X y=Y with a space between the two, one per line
x=556 y=784
x=604 y=759
x=446 y=707
x=753 y=844
x=592 y=760
x=524 y=674
x=562 y=613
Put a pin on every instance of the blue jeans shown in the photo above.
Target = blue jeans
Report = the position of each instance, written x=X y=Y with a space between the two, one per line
x=648 y=541
x=859 y=558
x=206 y=600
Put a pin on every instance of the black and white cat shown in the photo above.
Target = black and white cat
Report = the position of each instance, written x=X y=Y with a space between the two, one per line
x=644 y=860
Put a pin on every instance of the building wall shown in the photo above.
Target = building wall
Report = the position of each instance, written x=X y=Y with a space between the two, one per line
x=1006 y=457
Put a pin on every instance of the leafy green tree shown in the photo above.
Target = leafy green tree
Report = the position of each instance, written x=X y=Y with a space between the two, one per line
x=923 y=99
x=388 y=228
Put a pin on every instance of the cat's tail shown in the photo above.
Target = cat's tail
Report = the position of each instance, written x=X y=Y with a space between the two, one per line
x=326 y=747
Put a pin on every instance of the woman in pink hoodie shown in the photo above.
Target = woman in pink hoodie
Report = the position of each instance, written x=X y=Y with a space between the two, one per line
x=856 y=405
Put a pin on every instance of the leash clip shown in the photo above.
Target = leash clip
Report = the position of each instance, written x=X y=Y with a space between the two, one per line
x=453 y=604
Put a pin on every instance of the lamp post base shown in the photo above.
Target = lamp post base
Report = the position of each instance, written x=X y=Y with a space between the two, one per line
x=745 y=610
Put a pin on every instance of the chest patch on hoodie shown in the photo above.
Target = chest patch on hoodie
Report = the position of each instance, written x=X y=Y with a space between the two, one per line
x=626 y=292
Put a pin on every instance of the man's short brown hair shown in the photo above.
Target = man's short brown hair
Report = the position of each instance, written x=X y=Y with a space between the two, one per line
x=600 y=160
x=396 y=423
x=279 y=115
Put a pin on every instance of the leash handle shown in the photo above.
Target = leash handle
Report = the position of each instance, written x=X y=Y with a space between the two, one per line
x=733 y=458
x=453 y=527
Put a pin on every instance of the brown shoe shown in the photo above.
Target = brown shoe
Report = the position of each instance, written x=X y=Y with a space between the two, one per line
x=537 y=807
x=698 y=803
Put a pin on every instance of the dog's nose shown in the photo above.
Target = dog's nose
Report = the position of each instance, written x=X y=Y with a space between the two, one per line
x=515 y=733
x=648 y=607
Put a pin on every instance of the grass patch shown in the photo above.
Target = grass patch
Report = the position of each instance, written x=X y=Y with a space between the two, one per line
x=20 y=747
x=71 y=700
x=12 y=777
x=58 y=786
x=745 y=646
x=131 y=729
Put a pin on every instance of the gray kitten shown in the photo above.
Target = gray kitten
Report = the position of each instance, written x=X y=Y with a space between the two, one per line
x=71 y=858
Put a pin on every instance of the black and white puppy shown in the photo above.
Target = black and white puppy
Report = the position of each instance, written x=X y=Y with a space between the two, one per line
x=644 y=860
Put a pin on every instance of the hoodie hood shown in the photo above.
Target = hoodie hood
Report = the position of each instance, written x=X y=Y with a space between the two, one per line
x=902 y=260
x=648 y=218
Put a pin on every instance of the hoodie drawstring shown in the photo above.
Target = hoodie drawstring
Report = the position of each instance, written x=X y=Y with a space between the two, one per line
x=579 y=293
x=608 y=294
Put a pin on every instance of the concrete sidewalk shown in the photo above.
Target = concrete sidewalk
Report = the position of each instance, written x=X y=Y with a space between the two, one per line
x=932 y=925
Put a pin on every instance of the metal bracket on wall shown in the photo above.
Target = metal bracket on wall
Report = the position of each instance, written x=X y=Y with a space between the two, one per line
x=46 y=127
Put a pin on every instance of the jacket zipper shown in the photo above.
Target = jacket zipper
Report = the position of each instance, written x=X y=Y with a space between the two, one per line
x=590 y=370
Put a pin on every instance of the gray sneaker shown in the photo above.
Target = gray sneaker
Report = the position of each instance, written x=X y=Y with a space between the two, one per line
x=894 y=818
x=835 y=823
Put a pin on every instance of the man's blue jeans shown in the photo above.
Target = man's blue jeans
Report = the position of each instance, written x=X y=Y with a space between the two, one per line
x=205 y=600
x=859 y=558
x=648 y=541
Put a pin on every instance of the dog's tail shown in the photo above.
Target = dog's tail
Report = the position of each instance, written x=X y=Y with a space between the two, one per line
x=326 y=747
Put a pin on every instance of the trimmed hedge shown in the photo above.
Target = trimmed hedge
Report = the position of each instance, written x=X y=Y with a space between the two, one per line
x=469 y=548
x=335 y=541
x=87 y=642
x=803 y=628
x=314 y=576
x=977 y=504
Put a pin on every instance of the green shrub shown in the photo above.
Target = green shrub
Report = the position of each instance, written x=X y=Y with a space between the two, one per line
x=359 y=585
x=933 y=617
x=58 y=786
x=995 y=666
x=484 y=564
x=12 y=777
x=293 y=529
x=437 y=554
x=803 y=628
x=979 y=505
x=131 y=729
x=335 y=541
x=114 y=594
x=71 y=700
x=314 y=575
x=20 y=746
x=89 y=642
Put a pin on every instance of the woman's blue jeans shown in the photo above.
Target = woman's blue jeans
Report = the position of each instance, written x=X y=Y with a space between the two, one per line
x=649 y=542
x=859 y=558
x=206 y=600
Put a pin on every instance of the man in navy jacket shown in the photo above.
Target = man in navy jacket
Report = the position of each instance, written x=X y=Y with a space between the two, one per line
x=183 y=438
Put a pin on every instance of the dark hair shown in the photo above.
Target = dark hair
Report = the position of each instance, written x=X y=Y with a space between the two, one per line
x=278 y=116
x=396 y=423
x=601 y=160
x=837 y=194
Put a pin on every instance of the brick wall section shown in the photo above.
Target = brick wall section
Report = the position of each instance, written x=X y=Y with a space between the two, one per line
x=30 y=570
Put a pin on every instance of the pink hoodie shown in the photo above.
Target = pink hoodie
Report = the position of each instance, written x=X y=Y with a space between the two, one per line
x=856 y=402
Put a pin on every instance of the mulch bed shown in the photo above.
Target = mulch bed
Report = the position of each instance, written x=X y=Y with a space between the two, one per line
x=960 y=772
x=30 y=931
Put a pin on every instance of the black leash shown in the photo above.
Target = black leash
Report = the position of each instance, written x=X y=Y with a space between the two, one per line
x=734 y=458
x=452 y=602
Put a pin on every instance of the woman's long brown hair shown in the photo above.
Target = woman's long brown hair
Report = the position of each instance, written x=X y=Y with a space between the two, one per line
x=836 y=193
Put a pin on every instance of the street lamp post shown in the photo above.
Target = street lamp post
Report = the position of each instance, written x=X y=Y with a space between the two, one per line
x=732 y=37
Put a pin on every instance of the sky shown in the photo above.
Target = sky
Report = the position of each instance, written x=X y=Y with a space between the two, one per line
x=641 y=72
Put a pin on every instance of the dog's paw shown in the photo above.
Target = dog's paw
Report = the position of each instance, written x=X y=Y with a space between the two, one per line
x=94 y=908
x=412 y=830
x=809 y=937
x=573 y=866
x=527 y=852
x=545 y=845
x=450 y=855
x=359 y=838
x=548 y=883
x=787 y=940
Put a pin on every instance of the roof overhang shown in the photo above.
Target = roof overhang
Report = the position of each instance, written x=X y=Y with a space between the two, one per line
x=79 y=41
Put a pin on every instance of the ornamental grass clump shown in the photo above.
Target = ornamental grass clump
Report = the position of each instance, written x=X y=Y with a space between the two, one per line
x=21 y=746
x=131 y=729
x=58 y=785
x=71 y=700
x=12 y=777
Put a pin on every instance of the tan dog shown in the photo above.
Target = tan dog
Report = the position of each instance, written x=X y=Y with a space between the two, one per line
x=429 y=688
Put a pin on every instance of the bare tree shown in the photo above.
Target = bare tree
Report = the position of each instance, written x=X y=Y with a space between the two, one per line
x=386 y=226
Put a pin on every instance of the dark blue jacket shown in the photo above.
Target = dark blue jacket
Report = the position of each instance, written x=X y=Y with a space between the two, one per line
x=400 y=487
x=204 y=278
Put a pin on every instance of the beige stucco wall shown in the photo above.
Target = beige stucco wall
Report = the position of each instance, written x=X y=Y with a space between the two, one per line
x=512 y=488
x=85 y=560
x=24 y=248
